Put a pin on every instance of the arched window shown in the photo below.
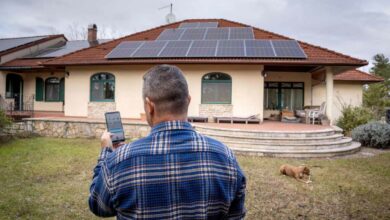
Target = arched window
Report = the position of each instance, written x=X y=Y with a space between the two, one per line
x=52 y=89
x=103 y=87
x=216 y=88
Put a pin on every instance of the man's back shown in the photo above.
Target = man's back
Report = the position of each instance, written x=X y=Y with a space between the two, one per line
x=174 y=173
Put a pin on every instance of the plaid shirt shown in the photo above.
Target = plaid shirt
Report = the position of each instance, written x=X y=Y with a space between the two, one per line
x=174 y=173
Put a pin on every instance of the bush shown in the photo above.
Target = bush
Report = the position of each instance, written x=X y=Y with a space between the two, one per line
x=4 y=120
x=352 y=117
x=374 y=134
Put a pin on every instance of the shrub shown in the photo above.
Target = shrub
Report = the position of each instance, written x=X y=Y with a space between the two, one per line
x=4 y=120
x=374 y=134
x=352 y=117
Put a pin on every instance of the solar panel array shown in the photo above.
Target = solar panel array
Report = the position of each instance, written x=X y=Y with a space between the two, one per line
x=208 y=48
x=225 y=33
x=198 y=24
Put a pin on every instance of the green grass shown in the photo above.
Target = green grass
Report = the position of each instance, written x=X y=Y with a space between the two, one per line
x=46 y=178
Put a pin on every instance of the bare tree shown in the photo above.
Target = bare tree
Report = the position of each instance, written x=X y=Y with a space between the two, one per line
x=80 y=32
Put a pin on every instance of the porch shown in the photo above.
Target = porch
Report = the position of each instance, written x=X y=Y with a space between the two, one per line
x=265 y=139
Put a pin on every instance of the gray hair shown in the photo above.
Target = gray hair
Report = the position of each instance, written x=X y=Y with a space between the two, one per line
x=167 y=88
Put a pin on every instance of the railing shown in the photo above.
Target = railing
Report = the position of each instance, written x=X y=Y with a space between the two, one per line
x=20 y=110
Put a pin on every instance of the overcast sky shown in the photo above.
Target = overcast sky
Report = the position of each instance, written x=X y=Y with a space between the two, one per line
x=360 y=28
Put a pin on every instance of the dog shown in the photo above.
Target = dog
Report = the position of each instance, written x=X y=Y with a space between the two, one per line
x=297 y=172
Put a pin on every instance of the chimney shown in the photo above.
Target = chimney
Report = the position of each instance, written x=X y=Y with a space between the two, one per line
x=92 y=35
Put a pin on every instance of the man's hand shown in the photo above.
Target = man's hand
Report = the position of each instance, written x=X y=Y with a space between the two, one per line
x=105 y=140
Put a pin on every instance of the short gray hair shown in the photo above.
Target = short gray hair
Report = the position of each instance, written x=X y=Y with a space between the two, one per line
x=166 y=86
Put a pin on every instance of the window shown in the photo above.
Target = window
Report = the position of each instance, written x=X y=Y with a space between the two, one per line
x=52 y=89
x=216 y=88
x=103 y=87
x=283 y=95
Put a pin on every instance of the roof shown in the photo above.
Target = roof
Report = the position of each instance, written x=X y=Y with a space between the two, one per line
x=9 y=45
x=316 y=55
x=357 y=76
x=35 y=61
x=68 y=47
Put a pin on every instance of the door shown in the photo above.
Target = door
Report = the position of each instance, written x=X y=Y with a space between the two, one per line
x=14 y=90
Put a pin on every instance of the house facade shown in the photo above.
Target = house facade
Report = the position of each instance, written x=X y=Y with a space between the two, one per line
x=228 y=82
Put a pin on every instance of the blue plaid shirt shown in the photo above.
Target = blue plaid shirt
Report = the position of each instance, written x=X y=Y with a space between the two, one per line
x=174 y=173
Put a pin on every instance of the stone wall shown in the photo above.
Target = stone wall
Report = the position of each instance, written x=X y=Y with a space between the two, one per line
x=97 y=109
x=74 y=129
x=211 y=110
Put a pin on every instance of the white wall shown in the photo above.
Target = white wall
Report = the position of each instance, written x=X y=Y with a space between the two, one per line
x=247 y=88
x=344 y=93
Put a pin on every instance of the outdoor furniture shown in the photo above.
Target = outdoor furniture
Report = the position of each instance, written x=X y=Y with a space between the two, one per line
x=249 y=120
x=290 y=119
x=197 y=119
x=315 y=114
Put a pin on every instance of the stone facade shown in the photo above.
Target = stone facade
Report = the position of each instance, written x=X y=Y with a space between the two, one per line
x=97 y=109
x=212 y=110
x=74 y=129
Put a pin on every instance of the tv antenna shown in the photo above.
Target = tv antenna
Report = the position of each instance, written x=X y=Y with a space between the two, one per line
x=170 y=17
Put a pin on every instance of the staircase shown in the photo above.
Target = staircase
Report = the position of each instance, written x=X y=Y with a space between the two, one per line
x=327 y=142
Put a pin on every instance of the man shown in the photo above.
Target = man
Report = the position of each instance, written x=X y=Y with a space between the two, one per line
x=175 y=172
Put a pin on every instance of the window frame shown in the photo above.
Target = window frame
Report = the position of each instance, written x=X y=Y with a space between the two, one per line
x=101 y=82
x=46 y=86
x=279 y=88
x=206 y=81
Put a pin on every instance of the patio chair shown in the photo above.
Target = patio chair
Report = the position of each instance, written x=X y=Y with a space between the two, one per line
x=315 y=114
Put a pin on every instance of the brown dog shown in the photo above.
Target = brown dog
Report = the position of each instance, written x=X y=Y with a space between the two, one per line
x=296 y=172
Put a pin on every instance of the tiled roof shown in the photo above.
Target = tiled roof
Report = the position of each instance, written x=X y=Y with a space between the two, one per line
x=24 y=63
x=96 y=55
x=357 y=76
x=9 y=45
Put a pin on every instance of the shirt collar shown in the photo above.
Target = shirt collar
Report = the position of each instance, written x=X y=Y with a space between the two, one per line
x=172 y=125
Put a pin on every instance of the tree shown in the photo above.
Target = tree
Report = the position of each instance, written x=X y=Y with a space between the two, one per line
x=377 y=96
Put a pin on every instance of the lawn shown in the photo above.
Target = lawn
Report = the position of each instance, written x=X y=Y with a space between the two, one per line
x=46 y=178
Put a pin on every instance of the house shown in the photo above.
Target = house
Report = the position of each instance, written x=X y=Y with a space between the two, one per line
x=25 y=83
x=232 y=70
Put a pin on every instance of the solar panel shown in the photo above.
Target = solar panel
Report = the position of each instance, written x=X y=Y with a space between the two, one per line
x=198 y=24
x=175 y=49
x=287 y=49
x=217 y=34
x=230 y=48
x=259 y=48
x=208 y=24
x=193 y=34
x=171 y=34
x=150 y=49
x=124 y=49
x=241 y=33
x=202 y=48
x=208 y=48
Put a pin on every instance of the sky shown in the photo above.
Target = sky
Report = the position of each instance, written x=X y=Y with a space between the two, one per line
x=359 y=28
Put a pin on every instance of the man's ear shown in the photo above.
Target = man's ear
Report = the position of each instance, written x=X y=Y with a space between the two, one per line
x=189 y=99
x=149 y=106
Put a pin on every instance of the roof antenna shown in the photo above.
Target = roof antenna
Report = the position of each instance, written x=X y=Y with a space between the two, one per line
x=170 y=17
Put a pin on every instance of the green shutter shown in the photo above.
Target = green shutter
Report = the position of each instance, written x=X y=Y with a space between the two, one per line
x=62 y=89
x=39 y=89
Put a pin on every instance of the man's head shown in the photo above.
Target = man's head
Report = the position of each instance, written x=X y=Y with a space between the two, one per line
x=165 y=94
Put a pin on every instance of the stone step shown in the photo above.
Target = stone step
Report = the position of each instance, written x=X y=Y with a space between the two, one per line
x=273 y=140
x=293 y=146
x=349 y=149
x=253 y=133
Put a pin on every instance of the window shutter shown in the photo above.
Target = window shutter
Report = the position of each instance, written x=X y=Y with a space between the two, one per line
x=62 y=89
x=39 y=89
